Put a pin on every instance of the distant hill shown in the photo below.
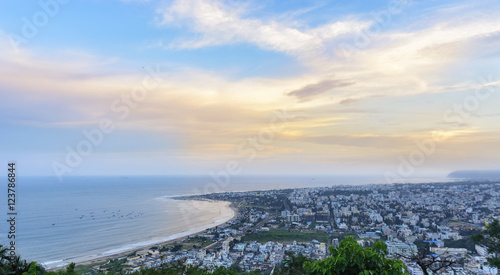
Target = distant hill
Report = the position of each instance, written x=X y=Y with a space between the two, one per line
x=475 y=174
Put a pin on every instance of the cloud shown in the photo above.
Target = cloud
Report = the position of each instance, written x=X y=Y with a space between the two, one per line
x=348 y=101
x=309 y=91
x=205 y=115
x=396 y=61
x=220 y=24
x=360 y=141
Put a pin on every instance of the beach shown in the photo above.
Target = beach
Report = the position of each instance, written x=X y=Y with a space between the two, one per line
x=88 y=218
x=198 y=216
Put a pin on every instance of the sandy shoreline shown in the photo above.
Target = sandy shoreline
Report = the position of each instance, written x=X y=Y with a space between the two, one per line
x=182 y=236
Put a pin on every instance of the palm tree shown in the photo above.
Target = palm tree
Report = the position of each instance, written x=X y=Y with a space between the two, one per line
x=4 y=260
x=16 y=266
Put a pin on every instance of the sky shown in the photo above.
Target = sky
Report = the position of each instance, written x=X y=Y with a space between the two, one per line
x=224 y=87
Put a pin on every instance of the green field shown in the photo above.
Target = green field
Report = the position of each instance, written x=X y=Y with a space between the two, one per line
x=290 y=236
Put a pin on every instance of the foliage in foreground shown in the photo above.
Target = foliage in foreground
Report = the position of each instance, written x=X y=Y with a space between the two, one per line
x=17 y=266
x=352 y=258
x=349 y=258
x=490 y=238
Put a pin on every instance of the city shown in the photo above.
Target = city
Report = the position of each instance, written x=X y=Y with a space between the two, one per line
x=308 y=221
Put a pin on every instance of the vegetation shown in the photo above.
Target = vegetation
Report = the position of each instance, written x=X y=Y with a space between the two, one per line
x=16 y=266
x=349 y=258
x=490 y=238
x=463 y=243
x=115 y=265
x=177 y=247
x=294 y=264
x=428 y=262
x=190 y=243
x=289 y=236
x=88 y=268
x=352 y=258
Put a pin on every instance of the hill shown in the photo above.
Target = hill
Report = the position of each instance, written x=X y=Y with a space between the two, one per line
x=475 y=174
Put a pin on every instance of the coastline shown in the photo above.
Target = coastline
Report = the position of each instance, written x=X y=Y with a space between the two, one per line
x=172 y=238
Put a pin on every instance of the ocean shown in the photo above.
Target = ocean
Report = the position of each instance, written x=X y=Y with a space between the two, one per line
x=85 y=217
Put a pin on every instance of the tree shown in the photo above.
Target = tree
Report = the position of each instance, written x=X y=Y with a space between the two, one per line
x=426 y=260
x=4 y=259
x=17 y=266
x=223 y=271
x=33 y=269
x=177 y=247
x=490 y=238
x=352 y=258
x=293 y=264
x=179 y=268
x=236 y=268
x=70 y=269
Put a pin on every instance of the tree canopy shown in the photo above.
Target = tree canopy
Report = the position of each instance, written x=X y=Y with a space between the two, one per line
x=490 y=238
x=351 y=258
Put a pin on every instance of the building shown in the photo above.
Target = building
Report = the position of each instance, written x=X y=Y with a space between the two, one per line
x=293 y=218
x=323 y=216
x=447 y=251
x=309 y=217
x=399 y=248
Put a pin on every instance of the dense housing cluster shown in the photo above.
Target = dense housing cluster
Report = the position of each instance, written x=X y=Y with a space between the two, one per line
x=308 y=221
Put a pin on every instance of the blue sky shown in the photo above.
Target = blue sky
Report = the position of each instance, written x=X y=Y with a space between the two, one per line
x=189 y=86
